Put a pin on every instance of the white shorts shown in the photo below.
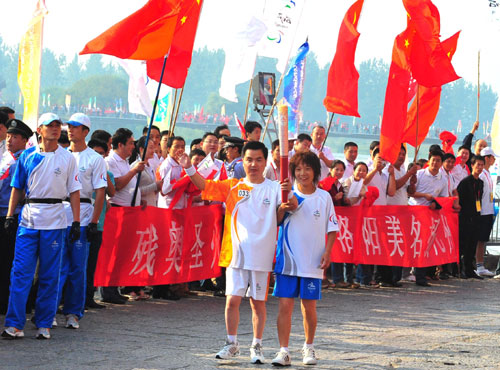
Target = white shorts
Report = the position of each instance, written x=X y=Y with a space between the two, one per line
x=254 y=283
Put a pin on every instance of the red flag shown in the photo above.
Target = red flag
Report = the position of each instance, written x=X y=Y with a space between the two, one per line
x=396 y=96
x=429 y=98
x=240 y=126
x=430 y=65
x=145 y=34
x=342 y=90
x=179 y=57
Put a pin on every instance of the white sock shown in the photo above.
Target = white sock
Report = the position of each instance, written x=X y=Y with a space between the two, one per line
x=306 y=345
x=256 y=341
x=284 y=349
x=232 y=338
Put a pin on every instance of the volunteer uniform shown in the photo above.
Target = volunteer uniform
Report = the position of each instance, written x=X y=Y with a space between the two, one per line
x=47 y=178
x=301 y=244
x=92 y=176
x=249 y=240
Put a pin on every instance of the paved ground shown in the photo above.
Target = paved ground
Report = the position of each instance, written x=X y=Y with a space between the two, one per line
x=453 y=325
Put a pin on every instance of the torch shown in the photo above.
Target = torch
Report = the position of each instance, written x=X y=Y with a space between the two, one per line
x=283 y=137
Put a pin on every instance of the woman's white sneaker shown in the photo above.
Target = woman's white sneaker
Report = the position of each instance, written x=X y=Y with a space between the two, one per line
x=282 y=359
x=256 y=355
x=230 y=350
x=309 y=356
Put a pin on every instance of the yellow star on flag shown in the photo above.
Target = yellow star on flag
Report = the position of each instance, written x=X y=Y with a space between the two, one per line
x=198 y=2
x=354 y=20
x=449 y=53
x=183 y=20
x=407 y=43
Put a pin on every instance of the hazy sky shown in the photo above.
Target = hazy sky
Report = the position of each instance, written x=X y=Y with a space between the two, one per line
x=70 y=24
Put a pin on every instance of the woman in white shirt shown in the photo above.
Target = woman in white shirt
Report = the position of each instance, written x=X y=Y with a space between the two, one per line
x=148 y=184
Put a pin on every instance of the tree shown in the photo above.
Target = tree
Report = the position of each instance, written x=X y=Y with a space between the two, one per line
x=107 y=89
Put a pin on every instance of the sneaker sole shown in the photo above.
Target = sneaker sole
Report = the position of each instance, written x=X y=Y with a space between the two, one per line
x=72 y=327
x=257 y=362
x=42 y=337
x=11 y=337
x=227 y=358
x=280 y=365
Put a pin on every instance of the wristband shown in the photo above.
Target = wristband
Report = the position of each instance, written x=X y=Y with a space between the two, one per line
x=190 y=171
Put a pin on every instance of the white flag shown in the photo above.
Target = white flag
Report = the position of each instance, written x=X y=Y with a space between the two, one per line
x=241 y=49
x=139 y=101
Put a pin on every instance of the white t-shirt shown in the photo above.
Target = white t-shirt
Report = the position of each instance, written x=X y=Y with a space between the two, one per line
x=3 y=147
x=380 y=181
x=119 y=167
x=44 y=175
x=92 y=175
x=488 y=189
x=450 y=180
x=302 y=236
x=436 y=185
x=401 y=196
x=325 y=170
x=349 y=170
x=272 y=172
x=459 y=173
x=169 y=171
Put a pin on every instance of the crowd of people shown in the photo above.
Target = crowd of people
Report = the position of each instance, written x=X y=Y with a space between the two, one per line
x=54 y=195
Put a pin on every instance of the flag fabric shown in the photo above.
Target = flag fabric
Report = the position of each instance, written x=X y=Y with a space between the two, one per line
x=144 y=35
x=164 y=109
x=67 y=101
x=342 y=88
x=240 y=126
x=282 y=19
x=30 y=58
x=495 y=129
x=294 y=87
x=247 y=29
x=181 y=49
x=430 y=65
x=139 y=101
x=429 y=98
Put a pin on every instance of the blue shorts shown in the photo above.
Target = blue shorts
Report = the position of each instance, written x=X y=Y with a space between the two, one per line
x=286 y=286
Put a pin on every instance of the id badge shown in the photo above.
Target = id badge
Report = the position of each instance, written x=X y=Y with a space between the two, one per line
x=491 y=197
x=478 y=206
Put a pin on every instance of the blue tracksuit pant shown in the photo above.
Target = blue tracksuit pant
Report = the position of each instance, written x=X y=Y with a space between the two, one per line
x=33 y=245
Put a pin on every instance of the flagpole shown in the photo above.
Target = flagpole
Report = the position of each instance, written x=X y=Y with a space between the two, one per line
x=274 y=105
x=132 y=204
x=171 y=133
x=327 y=131
x=248 y=99
x=478 y=82
x=417 y=147
x=173 y=113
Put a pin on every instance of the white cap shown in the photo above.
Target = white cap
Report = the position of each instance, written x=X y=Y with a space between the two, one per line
x=47 y=119
x=488 y=151
x=79 y=119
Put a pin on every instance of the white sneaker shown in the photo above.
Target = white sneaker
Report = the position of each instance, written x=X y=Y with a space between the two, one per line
x=410 y=278
x=256 y=354
x=482 y=271
x=282 y=359
x=43 y=333
x=54 y=323
x=72 y=322
x=230 y=350
x=309 y=356
x=496 y=276
x=12 y=333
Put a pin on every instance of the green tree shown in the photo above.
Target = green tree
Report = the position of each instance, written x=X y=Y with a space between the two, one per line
x=107 y=89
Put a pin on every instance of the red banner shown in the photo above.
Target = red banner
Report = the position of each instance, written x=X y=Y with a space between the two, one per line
x=157 y=246
x=408 y=236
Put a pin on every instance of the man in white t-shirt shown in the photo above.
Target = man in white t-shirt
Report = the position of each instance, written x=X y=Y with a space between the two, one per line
x=350 y=156
x=386 y=184
x=431 y=183
x=272 y=171
x=325 y=155
x=487 y=217
x=45 y=175
x=93 y=177
x=461 y=170
x=253 y=209
x=403 y=185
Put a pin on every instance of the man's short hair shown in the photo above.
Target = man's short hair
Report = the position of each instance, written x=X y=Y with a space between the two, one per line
x=350 y=144
x=171 y=140
x=100 y=135
x=7 y=110
x=153 y=127
x=317 y=126
x=403 y=147
x=218 y=129
x=96 y=143
x=195 y=142
x=63 y=139
x=448 y=156
x=275 y=144
x=360 y=164
x=436 y=153
x=375 y=152
x=250 y=126
x=464 y=147
x=422 y=162
x=434 y=147
x=309 y=159
x=121 y=136
x=255 y=145
x=476 y=158
x=164 y=133
x=374 y=144
x=207 y=134
x=337 y=162
x=4 y=117
x=302 y=137
x=197 y=151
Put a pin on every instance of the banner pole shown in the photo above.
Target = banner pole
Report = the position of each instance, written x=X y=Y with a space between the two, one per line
x=171 y=133
x=272 y=107
x=173 y=113
x=327 y=131
x=248 y=101
x=478 y=83
x=132 y=204
x=417 y=146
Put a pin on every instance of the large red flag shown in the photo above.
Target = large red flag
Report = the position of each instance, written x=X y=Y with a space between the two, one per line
x=342 y=90
x=143 y=35
x=179 y=57
x=429 y=63
x=429 y=98
x=396 y=96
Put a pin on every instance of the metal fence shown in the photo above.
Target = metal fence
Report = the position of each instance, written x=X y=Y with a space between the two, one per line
x=495 y=233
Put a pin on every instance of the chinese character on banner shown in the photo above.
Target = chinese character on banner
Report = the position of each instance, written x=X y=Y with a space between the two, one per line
x=370 y=235
x=432 y=237
x=415 y=232
x=345 y=237
x=395 y=235
x=197 y=247
x=215 y=248
x=145 y=253
x=447 y=233
x=175 y=252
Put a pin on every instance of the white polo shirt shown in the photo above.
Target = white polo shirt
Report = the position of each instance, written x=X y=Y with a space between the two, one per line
x=325 y=170
x=401 y=196
x=349 y=169
x=169 y=171
x=451 y=181
x=436 y=185
x=92 y=176
x=44 y=175
x=488 y=189
x=380 y=181
x=272 y=172
x=119 y=167
x=459 y=173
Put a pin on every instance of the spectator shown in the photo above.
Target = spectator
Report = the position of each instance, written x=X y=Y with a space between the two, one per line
x=323 y=152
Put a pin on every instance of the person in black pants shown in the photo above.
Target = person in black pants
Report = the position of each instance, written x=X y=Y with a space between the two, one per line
x=470 y=193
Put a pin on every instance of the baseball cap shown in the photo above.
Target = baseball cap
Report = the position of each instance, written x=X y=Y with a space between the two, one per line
x=16 y=126
x=79 y=119
x=232 y=141
x=488 y=151
x=47 y=119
